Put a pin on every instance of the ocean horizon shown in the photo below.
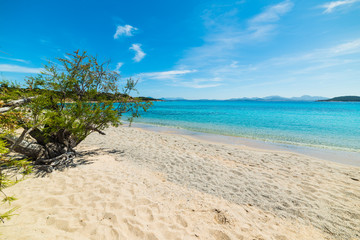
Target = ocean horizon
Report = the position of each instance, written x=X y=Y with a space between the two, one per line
x=327 y=125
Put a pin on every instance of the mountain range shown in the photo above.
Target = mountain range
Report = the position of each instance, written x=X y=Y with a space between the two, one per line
x=304 y=98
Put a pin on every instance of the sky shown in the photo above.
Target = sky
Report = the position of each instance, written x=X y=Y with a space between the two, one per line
x=194 y=49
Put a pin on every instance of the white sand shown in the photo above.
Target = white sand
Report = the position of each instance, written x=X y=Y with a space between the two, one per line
x=136 y=184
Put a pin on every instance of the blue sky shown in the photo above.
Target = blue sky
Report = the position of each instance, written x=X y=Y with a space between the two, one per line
x=194 y=49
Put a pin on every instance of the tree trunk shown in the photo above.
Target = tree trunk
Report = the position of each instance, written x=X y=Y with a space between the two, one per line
x=45 y=157
x=14 y=104
x=48 y=152
x=29 y=149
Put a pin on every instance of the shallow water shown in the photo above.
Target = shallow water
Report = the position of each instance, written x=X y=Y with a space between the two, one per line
x=317 y=124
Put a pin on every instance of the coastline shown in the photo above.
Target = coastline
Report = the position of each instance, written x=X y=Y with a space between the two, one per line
x=338 y=156
x=138 y=184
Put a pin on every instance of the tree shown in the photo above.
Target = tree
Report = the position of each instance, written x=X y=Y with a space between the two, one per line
x=63 y=105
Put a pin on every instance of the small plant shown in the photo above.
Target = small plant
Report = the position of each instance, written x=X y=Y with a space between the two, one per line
x=9 y=168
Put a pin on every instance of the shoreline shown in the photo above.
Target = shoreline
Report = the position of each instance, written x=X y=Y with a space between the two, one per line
x=337 y=156
x=137 y=184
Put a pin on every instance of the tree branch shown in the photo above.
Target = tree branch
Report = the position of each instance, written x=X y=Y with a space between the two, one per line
x=59 y=162
x=31 y=150
x=14 y=104
x=6 y=109
x=96 y=130
x=39 y=136
x=21 y=138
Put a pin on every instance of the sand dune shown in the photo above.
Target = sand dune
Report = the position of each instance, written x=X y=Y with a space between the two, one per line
x=136 y=184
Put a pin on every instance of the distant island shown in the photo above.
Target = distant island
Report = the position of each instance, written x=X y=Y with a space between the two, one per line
x=342 y=99
x=304 y=98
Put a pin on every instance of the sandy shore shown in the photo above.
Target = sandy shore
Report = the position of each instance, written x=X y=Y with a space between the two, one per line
x=137 y=184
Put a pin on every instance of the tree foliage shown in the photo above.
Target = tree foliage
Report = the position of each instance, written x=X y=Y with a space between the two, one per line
x=65 y=103
x=57 y=110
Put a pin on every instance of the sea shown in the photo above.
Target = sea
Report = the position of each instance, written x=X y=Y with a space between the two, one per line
x=321 y=125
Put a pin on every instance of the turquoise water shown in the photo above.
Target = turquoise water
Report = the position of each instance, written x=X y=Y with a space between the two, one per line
x=319 y=124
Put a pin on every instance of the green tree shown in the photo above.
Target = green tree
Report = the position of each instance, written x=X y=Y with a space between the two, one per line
x=65 y=103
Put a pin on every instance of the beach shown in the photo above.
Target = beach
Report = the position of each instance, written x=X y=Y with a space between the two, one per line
x=137 y=184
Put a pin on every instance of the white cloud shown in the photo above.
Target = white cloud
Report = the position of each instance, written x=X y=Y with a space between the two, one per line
x=321 y=55
x=330 y=6
x=166 y=75
x=339 y=60
x=234 y=64
x=197 y=85
x=273 y=13
x=176 y=78
x=200 y=83
x=67 y=57
x=118 y=66
x=15 y=59
x=18 y=69
x=262 y=24
x=219 y=55
x=139 y=54
x=126 y=30
x=346 y=48
x=43 y=41
x=227 y=29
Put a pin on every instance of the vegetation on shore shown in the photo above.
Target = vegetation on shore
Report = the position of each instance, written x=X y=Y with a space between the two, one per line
x=12 y=170
x=65 y=103
x=15 y=91
x=57 y=110
x=342 y=99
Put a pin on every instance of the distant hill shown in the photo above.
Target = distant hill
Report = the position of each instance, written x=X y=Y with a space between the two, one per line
x=308 y=98
x=245 y=99
x=305 y=98
x=149 y=99
x=342 y=99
